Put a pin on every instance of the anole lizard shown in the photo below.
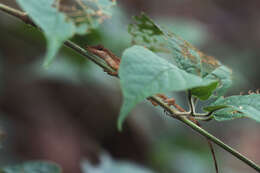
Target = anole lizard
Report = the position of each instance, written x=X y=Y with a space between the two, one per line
x=111 y=59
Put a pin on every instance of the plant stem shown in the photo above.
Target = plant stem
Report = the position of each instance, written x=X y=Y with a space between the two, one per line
x=206 y=134
x=89 y=55
x=191 y=103
x=17 y=13
x=23 y=16
x=220 y=143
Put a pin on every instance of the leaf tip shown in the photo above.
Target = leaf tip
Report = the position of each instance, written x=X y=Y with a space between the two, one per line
x=122 y=116
x=119 y=126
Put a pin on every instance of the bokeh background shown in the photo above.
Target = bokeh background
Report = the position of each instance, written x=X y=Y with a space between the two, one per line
x=68 y=112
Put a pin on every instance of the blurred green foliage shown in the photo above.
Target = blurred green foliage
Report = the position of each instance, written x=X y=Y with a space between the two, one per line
x=179 y=153
x=32 y=167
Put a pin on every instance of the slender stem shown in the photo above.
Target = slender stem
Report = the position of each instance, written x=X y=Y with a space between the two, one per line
x=12 y=11
x=89 y=55
x=220 y=143
x=24 y=17
x=167 y=108
x=191 y=103
x=204 y=118
x=213 y=155
x=17 y=13
x=203 y=114
x=208 y=136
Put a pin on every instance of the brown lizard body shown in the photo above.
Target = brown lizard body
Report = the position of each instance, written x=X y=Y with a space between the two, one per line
x=111 y=59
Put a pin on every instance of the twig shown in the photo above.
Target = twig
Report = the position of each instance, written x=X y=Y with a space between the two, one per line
x=22 y=16
x=89 y=56
x=213 y=155
x=191 y=103
x=16 y=13
x=191 y=117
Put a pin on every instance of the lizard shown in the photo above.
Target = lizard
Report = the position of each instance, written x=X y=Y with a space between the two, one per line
x=110 y=58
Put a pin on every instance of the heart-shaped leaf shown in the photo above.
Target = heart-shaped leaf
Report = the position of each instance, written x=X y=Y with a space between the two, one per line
x=59 y=27
x=149 y=34
x=142 y=74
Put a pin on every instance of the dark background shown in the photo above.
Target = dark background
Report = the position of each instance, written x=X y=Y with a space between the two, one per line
x=69 y=111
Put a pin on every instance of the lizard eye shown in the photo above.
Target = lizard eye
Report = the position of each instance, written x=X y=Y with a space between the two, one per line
x=100 y=47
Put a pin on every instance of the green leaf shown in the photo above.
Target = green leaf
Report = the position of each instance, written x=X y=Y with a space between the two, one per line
x=214 y=108
x=58 y=26
x=239 y=106
x=105 y=6
x=147 y=33
x=108 y=165
x=228 y=113
x=204 y=92
x=142 y=74
x=224 y=75
x=32 y=167
x=55 y=25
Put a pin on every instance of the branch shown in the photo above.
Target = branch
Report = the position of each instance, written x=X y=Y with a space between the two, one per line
x=24 y=17
x=16 y=13
x=88 y=55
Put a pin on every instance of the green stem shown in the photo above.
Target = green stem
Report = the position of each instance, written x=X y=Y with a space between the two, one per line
x=22 y=16
x=191 y=103
x=206 y=134
x=17 y=13
x=220 y=143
